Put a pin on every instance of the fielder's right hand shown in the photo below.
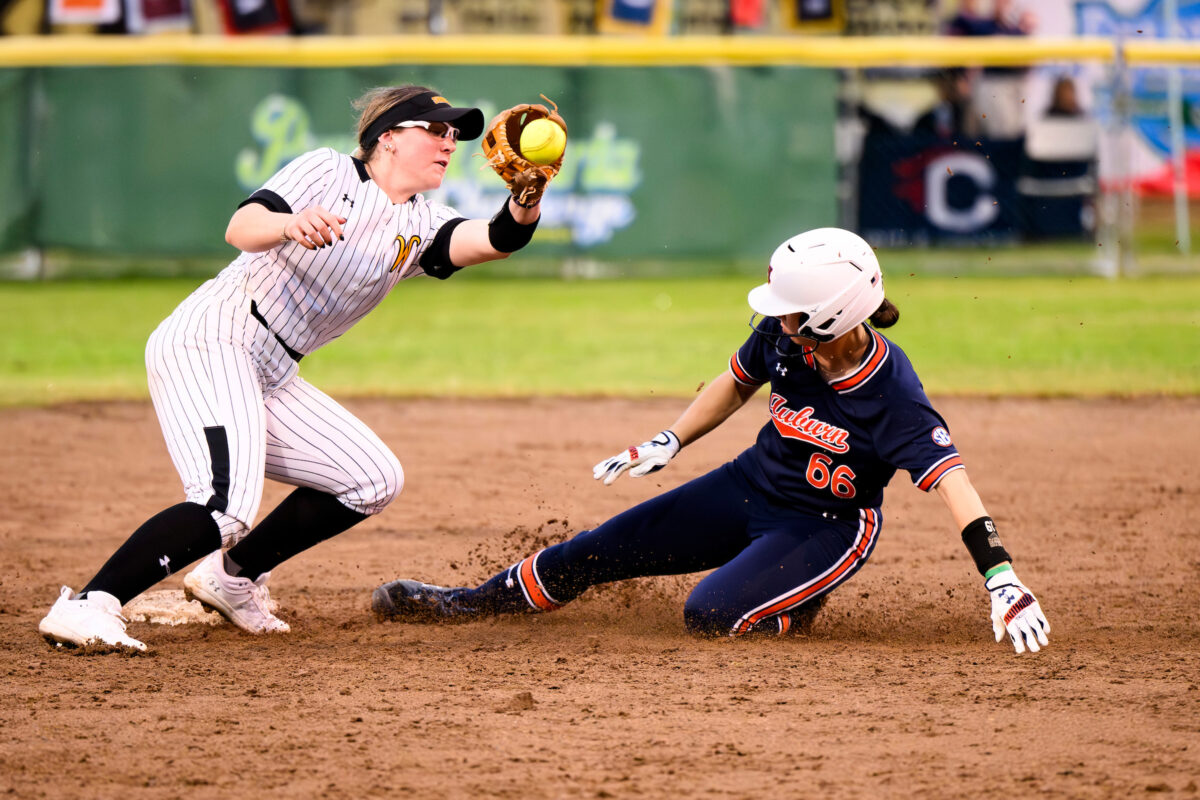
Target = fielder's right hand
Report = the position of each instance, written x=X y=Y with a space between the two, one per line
x=313 y=228
x=1016 y=610
x=641 y=460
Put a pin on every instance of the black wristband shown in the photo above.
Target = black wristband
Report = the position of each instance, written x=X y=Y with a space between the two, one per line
x=983 y=543
x=507 y=235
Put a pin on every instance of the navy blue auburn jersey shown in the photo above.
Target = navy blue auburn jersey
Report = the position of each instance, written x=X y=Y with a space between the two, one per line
x=832 y=446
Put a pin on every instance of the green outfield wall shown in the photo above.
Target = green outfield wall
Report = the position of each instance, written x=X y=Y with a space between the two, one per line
x=662 y=163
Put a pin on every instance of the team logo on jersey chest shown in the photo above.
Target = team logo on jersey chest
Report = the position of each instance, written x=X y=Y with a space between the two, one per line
x=406 y=247
x=800 y=424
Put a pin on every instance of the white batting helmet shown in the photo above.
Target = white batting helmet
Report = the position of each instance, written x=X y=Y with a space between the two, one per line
x=829 y=276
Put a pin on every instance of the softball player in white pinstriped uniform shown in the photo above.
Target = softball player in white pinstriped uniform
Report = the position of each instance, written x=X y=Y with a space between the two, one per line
x=323 y=242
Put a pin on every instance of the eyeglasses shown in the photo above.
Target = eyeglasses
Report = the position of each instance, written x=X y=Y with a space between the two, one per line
x=442 y=130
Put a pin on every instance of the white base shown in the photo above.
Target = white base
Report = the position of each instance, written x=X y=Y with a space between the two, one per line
x=169 y=607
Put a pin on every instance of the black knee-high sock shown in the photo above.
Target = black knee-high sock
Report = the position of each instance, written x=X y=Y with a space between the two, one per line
x=502 y=593
x=305 y=517
x=165 y=543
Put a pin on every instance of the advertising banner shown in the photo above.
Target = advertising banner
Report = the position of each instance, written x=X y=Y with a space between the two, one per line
x=83 y=12
x=635 y=16
x=19 y=198
x=662 y=163
x=922 y=190
x=158 y=16
x=916 y=191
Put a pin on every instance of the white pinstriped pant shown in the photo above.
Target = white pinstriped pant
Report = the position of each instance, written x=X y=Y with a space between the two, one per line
x=234 y=411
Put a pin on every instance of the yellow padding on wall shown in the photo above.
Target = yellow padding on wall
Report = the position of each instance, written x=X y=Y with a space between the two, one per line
x=808 y=51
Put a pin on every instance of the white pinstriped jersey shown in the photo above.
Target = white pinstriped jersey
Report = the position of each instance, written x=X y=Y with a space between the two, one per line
x=232 y=407
x=311 y=297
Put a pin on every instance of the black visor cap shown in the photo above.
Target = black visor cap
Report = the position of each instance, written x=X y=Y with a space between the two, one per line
x=427 y=107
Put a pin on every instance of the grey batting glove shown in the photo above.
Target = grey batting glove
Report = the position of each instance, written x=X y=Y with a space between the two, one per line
x=1016 y=610
x=640 y=460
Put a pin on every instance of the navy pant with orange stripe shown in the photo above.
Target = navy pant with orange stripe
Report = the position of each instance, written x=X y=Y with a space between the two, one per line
x=769 y=560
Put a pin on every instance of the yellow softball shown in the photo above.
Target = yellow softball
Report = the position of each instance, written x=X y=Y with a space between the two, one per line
x=543 y=141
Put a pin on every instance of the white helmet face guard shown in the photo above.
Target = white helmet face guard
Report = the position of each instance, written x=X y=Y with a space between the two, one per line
x=829 y=276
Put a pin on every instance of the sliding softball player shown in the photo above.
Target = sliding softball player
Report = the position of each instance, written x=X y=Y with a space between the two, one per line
x=323 y=242
x=798 y=513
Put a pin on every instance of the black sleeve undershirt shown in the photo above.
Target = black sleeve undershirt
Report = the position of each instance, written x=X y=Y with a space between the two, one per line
x=269 y=199
x=435 y=260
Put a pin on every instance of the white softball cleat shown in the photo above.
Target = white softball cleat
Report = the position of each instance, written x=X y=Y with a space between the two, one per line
x=245 y=603
x=93 y=621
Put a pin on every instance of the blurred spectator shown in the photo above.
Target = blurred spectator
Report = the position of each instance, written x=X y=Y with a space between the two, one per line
x=950 y=116
x=997 y=18
x=972 y=19
x=873 y=123
x=996 y=92
x=1011 y=20
x=1064 y=100
x=1058 y=174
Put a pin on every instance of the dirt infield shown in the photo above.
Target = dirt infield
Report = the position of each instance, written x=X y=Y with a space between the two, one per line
x=898 y=691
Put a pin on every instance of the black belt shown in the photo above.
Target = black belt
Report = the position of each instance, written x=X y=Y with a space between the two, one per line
x=254 y=313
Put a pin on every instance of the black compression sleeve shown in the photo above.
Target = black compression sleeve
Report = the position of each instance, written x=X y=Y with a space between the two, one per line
x=436 y=258
x=506 y=234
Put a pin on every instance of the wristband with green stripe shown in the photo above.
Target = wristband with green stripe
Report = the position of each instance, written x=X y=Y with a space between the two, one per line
x=996 y=570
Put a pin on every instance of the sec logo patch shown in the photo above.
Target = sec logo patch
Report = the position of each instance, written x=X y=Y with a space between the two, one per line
x=941 y=436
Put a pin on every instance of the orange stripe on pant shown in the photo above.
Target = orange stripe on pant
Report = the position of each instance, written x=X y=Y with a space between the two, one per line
x=853 y=557
x=532 y=587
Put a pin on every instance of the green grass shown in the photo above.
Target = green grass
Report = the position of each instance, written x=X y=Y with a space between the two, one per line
x=478 y=336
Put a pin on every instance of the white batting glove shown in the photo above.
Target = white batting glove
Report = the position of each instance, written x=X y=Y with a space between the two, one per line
x=641 y=460
x=1015 y=609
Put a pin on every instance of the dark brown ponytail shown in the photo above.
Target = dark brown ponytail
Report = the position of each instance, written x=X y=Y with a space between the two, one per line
x=886 y=315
